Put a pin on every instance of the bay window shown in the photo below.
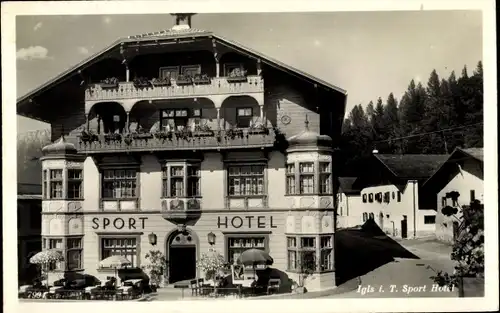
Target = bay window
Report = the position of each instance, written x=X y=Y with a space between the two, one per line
x=56 y=184
x=119 y=184
x=306 y=177
x=75 y=181
x=73 y=253
x=325 y=178
x=181 y=180
x=309 y=254
x=290 y=179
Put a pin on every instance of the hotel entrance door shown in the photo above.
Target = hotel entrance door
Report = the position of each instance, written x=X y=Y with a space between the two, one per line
x=181 y=257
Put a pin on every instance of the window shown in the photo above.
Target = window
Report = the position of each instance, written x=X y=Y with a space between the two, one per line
x=75 y=180
x=169 y=72
x=290 y=179
x=365 y=217
x=306 y=177
x=56 y=184
x=176 y=176
x=45 y=193
x=74 y=254
x=444 y=201
x=236 y=246
x=370 y=197
x=244 y=117
x=119 y=184
x=171 y=120
x=245 y=180
x=325 y=177
x=326 y=251
x=126 y=247
x=399 y=196
x=364 y=198
x=472 y=195
x=387 y=197
x=371 y=216
x=230 y=67
x=56 y=243
x=191 y=70
x=292 y=253
x=429 y=219
x=307 y=254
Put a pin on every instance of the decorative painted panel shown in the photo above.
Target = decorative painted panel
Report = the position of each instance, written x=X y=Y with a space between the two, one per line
x=75 y=226
x=308 y=225
x=56 y=226
x=110 y=205
x=74 y=206
x=326 y=202
x=56 y=206
x=128 y=205
x=290 y=224
x=307 y=202
x=327 y=224
x=53 y=164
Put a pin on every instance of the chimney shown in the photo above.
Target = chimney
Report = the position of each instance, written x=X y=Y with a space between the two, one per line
x=182 y=21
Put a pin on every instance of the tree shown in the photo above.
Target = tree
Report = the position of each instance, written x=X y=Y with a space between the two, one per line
x=370 y=111
x=377 y=122
x=412 y=111
x=391 y=121
x=155 y=267
x=307 y=265
x=29 y=151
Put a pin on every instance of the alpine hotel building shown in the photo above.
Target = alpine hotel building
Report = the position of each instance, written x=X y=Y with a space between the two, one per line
x=163 y=138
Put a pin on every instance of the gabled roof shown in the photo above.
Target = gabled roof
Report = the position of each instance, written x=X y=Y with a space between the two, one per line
x=170 y=34
x=459 y=154
x=346 y=185
x=412 y=166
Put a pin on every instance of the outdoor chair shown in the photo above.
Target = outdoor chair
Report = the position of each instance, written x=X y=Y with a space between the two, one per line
x=193 y=284
x=273 y=285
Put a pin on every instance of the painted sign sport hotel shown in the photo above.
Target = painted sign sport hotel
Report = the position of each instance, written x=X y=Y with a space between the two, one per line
x=180 y=133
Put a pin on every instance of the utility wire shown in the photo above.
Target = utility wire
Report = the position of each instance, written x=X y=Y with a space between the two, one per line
x=428 y=133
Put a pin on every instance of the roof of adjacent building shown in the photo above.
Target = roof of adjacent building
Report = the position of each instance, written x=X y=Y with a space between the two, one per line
x=412 y=166
x=459 y=154
x=476 y=153
x=346 y=185
x=189 y=33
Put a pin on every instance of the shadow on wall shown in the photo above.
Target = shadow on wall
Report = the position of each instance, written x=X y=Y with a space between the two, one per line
x=362 y=250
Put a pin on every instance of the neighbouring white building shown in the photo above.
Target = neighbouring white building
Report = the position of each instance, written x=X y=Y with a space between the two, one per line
x=461 y=172
x=349 y=205
x=391 y=194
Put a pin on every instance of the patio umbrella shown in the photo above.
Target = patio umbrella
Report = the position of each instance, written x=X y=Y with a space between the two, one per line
x=115 y=261
x=46 y=257
x=255 y=257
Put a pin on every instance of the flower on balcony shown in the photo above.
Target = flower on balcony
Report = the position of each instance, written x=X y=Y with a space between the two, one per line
x=184 y=80
x=237 y=74
x=141 y=82
x=233 y=133
x=161 y=81
x=111 y=82
x=163 y=135
x=203 y=131
x=258 y=128
x=201 y=79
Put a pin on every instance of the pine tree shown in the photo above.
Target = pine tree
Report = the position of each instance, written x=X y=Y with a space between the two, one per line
x=391 y=120
x=412 y=112
x=377 y=122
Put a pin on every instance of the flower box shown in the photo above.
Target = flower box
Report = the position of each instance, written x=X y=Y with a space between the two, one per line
x=202 y=79
x=203 y=133
x=109 y=83
x=237 y=79
x=183 y=80
x=159 y=82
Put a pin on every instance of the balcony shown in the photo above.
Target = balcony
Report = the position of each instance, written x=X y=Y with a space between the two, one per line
x=175 y=89
x=180 y=210
x=164 y=141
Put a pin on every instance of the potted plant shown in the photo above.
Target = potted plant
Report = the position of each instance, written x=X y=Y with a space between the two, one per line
x=232 y=133
x=112 y=137
x=141 y=82
x=109 y=83
x=237 y=75
x=307 y=267
x=258 y=129
x=184 y=80
x=201 y=79
x=158 y=82
x=203 y=131
x=163 y=135
x=468 y=252
x=155 y=267
x=212 y=264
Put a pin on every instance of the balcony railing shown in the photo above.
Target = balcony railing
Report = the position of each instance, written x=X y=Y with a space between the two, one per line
x=162 y=141
x=214 y=86
x=180 y=209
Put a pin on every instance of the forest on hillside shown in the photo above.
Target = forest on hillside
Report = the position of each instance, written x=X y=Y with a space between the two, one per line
x=432 y=119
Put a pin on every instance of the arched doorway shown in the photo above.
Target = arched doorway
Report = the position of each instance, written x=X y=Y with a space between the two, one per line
x=181 y=255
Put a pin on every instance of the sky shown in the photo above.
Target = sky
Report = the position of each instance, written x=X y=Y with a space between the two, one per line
x=368 y=54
